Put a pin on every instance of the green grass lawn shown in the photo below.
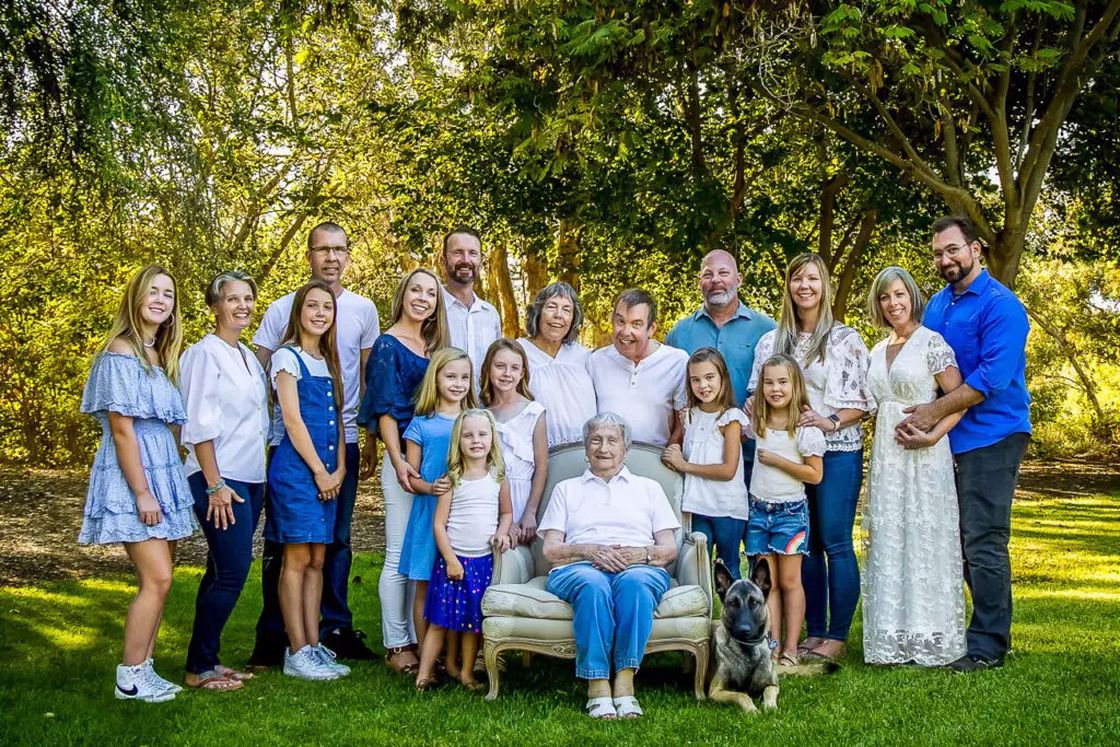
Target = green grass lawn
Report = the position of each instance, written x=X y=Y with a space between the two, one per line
x=59 y=643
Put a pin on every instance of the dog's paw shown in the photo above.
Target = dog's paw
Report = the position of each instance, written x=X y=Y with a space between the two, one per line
x=746 y=704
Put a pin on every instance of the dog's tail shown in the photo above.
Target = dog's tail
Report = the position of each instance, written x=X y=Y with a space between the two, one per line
x=809 y=668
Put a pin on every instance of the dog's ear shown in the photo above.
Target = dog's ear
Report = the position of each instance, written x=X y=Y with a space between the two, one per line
x=723 y=579
x=760 y=575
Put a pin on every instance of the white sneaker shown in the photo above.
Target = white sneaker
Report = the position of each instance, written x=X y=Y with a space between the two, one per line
x=328 y=659
x=134 y=683
x=160 y=681
x=305 y=665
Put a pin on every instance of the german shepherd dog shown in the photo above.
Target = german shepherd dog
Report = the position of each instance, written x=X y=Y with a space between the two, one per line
x=743 y=667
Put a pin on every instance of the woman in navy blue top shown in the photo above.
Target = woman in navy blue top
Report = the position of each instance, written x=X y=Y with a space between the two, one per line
x=396 y=367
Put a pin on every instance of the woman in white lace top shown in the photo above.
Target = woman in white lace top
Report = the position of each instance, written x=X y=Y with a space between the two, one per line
x=834 y=362
x=913 y=602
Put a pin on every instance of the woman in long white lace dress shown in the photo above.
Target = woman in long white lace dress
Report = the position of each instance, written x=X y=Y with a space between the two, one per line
x=913 y=603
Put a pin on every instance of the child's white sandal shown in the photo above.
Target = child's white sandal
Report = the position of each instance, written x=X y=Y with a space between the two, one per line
x=600 y=708
x=627 y=706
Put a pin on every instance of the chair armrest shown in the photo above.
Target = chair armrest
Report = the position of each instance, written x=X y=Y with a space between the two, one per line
x=694 y=565
x=514 y=566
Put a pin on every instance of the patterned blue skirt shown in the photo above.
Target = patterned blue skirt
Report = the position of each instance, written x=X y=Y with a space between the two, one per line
x=457 y=605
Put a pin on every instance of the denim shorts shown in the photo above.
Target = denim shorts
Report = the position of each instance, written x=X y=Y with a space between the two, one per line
x=778 y=528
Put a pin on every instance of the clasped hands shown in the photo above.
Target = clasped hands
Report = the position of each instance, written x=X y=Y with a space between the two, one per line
x=615 y=558
x=913 y=432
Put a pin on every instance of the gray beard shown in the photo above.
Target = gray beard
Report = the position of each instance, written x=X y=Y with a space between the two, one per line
x=720 y=299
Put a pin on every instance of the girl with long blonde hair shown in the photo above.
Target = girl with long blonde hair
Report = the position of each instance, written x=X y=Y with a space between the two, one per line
x=138 y=494
x=471 y=519
x=834 y=361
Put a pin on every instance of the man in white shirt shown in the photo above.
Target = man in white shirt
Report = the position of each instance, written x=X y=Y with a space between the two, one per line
x=472 y=322
x=638 y=377
x=328 y=254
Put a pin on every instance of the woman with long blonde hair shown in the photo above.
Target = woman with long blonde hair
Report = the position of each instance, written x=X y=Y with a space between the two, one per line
x=396 y=367
x=834 y=361
x=138 y=494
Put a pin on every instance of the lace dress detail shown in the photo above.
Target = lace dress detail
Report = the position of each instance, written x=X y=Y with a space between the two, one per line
x=119 y=383
x=516 y=438
x=913 y=594
x=837 y=383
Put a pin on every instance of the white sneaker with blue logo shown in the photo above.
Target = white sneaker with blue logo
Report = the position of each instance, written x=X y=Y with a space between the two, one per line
x=328 y=659
x=305 y=665
x=160 y=681
x=134 y=683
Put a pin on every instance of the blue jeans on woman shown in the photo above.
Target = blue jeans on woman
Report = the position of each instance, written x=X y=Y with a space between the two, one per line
x=227 y=567
x=725 y=534
x=830 y=575
x=613 y=613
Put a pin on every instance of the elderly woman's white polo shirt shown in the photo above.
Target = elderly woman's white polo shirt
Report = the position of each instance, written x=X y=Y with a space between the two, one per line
x=627 y=510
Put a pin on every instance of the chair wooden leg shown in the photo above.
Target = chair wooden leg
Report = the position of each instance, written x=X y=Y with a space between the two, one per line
x=701 y=671
x=490 y=654
x=525 y=659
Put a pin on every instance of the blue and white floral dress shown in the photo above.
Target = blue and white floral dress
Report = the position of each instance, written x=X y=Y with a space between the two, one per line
x=121 y=384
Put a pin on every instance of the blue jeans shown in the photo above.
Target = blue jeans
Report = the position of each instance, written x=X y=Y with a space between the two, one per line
x=613 y=614
x=227 y=566
x=986 y=479
x=334 y=607
x=724 y=534
x=830 y=574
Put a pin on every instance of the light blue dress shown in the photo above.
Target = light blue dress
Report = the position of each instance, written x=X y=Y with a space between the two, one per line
x=418 y=552
x=119 y=383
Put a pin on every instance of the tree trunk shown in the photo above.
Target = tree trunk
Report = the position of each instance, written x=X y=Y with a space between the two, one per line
x=567 y=251
x=848 y=273
x=536 y=272
x=499 y=283
x=1005 y=255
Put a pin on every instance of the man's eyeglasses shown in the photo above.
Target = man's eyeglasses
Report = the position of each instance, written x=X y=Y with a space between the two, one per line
x=324 y=251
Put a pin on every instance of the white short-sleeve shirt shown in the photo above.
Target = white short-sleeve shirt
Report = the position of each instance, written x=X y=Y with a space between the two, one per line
x=628 y=510
x=356 y=328
x=564 y=387
x=225 y=394
x=645 y=394
x=472 y=329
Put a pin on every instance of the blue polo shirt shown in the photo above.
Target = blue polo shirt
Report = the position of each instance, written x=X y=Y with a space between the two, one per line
x=735 y=340
x=986 y=326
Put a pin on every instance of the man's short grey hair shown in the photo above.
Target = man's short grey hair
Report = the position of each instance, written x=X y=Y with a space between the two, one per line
x=559 y=289
x=607 y=420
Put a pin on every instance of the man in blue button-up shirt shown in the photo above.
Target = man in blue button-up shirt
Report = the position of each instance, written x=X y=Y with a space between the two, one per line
x=986 y=325
x=726 y=324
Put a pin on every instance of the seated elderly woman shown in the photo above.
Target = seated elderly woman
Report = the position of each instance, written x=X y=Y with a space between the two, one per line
x=609 y=535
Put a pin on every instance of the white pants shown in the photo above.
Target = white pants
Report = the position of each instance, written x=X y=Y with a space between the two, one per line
x=394 y=590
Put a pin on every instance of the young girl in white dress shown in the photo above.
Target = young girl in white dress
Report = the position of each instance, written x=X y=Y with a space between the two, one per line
x=522 y=431
x=715 y=495
x=913 y=598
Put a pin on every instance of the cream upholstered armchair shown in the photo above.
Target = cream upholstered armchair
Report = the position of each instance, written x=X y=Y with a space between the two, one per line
x=519 y=614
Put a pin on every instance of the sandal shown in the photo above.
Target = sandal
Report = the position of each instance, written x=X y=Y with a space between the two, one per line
x=407 y=669
x=212 y=680
x=626 y=706
x=471 y=685
x=233 y=674
x=601 y=708
x=815 y=655
x=787 y=660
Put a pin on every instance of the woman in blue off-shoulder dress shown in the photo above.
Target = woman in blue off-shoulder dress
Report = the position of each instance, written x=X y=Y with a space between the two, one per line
x=138 y=494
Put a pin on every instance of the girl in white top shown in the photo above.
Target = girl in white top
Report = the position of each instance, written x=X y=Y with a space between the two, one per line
x=711 y=457
x=787 y=457
x=560 y=381
x=470 y=519
x=522 y=431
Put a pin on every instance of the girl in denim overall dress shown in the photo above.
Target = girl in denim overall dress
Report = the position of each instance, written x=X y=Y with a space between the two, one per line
x=788 y=456
x=305 y=474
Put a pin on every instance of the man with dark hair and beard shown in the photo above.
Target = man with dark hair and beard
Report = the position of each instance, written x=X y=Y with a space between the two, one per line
x=986 y=325
x=472 y=322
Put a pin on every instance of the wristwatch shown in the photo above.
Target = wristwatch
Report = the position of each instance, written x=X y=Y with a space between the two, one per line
x=648 y=558
x=835 y=422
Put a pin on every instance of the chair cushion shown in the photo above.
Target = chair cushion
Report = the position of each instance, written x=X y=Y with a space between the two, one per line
x=531 y=600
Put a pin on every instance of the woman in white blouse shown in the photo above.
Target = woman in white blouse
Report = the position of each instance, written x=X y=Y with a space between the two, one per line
x=227 y=427
x=558 y=363
x=834 y=361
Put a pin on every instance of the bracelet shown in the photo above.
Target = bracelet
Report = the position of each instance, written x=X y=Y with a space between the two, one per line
x=220 y=484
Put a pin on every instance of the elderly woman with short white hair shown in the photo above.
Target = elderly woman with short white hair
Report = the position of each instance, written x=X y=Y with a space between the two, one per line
x=609 y=535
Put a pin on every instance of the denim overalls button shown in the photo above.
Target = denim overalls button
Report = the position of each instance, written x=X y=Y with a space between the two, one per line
x=331 y=422
x=331 y=447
